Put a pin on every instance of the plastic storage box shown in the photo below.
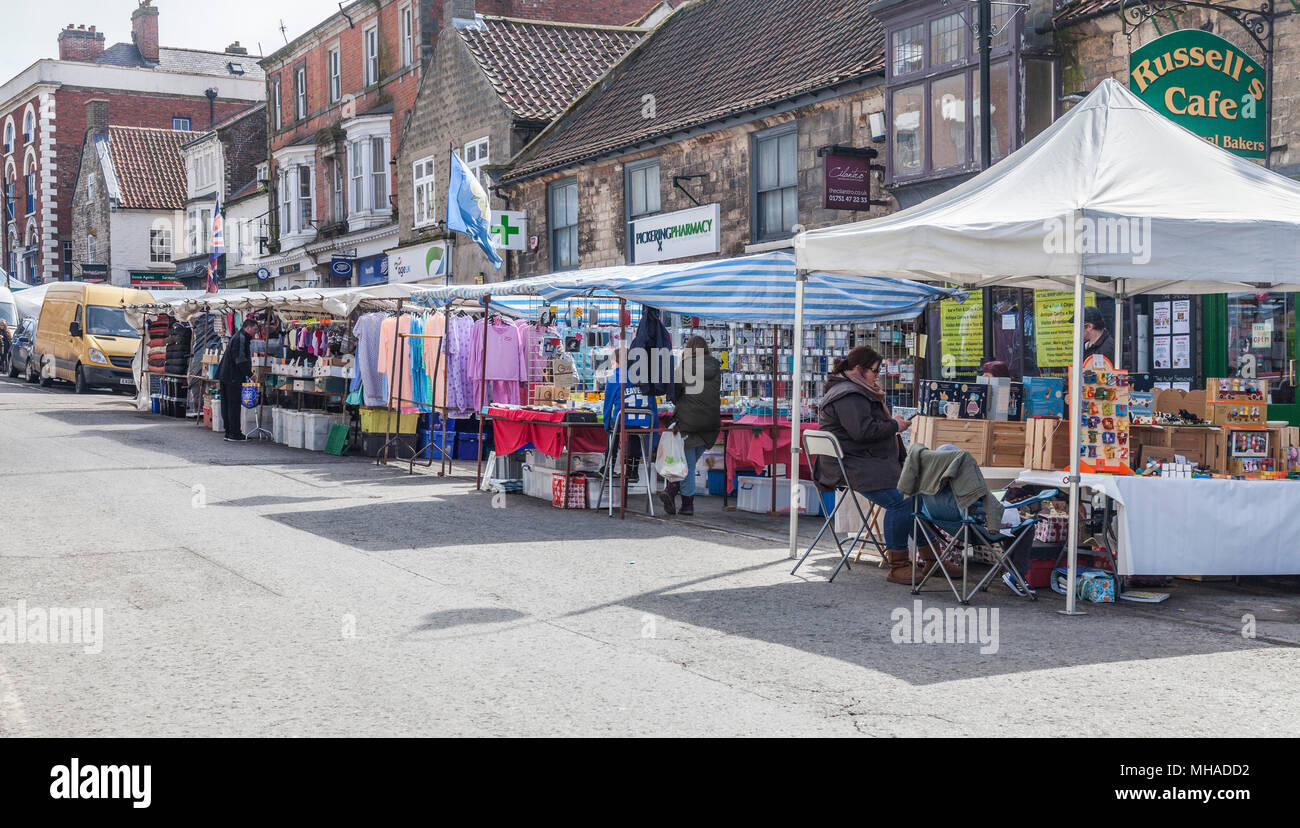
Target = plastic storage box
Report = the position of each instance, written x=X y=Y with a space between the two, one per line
x=754 y=494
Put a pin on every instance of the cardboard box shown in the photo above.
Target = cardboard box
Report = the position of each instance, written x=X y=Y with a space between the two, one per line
x=1007 y=444
x=1174 y=400
x=1047 y=444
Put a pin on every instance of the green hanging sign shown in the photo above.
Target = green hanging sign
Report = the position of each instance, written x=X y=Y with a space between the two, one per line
x=1204 y=83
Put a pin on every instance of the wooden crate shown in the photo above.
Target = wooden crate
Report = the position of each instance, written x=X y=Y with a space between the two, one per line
x=1281 y=439
x=973 y=436
x=1007 y=446
x=1197 y=443
x=1047 y=444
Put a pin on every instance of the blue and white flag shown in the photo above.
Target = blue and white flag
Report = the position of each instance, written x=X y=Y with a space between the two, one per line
x=468 y=210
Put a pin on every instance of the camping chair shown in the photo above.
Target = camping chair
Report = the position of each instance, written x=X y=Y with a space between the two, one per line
x=939 y=515
x=824 y=444
x=647 y=460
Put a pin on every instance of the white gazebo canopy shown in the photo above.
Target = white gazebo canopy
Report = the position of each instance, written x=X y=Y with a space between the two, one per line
x=1113 y=194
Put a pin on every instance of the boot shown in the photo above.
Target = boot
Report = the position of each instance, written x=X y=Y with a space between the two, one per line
x=900 y=566
x=669 y=495
x=688 y=506
x=926 y=559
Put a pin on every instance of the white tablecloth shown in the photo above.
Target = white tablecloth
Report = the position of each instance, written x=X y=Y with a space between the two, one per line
x=1200 y=526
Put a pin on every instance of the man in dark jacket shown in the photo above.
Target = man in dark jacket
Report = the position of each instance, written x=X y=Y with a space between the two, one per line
x=234 y=370
x=697 y=417
x=1096 y=339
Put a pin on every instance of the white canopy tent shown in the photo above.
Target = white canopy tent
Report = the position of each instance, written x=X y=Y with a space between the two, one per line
x=1113 y=195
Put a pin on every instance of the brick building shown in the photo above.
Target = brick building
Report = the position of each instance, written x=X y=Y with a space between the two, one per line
x=128 y=195
x=683 y=130
x=42 y=121
x=338 y=98
x=494 y=84
x=226 y=164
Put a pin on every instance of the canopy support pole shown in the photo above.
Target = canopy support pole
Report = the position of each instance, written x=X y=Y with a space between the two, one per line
x=1076 y=408
x=482 y=391
x=1118 y=333
x=796 y=406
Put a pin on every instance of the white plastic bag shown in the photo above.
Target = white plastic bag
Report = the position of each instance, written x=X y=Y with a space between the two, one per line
x=670 y=460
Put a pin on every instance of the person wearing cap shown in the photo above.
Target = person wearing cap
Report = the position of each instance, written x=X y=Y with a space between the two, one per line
x=1096 y=339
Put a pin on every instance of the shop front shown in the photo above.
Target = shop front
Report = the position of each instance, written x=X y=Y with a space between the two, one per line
x=155 y=280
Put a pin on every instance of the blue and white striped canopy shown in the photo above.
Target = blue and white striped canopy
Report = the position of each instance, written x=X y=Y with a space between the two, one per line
x=747 y=289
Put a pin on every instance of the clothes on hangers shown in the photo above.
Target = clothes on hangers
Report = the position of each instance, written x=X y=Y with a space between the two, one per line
x=460 y=392
x=502 y=361
x=399 y=387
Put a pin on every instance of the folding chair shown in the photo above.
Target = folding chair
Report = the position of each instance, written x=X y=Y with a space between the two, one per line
x=940 y=515
x=647 y=461
x=824 y=444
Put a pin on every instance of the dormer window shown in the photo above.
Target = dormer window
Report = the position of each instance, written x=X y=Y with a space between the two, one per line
x=235 y=68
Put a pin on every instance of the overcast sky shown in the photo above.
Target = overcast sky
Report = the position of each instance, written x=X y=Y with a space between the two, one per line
x=31 y=27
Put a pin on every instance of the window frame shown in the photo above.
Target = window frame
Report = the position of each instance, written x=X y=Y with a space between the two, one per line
x=67 y=257
x=300 y=91
x=186 y=121
x=335 y=70
x=776 y=133
x=630 y=171
x=338 y=188
x=553 y=228
x=29 y=127
x=482 y=157
x=29 y=181
x=305 y=203
x=277 y=110
x=406 y=22
x=370 y=54
x=156 y=233
x=424 y=177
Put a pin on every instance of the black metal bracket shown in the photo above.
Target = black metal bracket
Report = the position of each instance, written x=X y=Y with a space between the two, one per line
x=1256 y=21
x=677 y=179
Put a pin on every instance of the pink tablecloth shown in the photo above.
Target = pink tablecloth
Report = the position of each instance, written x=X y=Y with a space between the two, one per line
x=514 y=428
x=749 y=446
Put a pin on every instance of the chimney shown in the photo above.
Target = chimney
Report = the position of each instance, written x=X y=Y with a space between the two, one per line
x=144 y=30
x=236 y=49
x=79 y=43
x=97 y=115
x=459 y=10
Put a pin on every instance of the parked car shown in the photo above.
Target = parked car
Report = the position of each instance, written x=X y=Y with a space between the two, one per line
x=18 y=362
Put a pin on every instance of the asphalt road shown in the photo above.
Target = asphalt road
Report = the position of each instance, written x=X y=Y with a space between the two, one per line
x=255 y=590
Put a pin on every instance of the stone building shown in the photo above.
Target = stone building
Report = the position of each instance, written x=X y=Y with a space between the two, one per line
x=494 y=83
x=128 y=197
x=42 y=120
x=721 y=121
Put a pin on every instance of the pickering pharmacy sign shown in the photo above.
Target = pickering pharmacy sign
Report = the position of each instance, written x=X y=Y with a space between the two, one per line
x=691 y=232
x=1204 y=83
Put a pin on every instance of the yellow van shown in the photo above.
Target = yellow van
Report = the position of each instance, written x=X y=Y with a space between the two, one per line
x=83 y=333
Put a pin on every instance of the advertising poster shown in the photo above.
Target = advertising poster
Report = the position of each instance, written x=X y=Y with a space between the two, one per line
x=961 y=335
x=1182 y=316
x=1054 y=322
x=1182 y=354
x=1160 y=353
x=1161 y=318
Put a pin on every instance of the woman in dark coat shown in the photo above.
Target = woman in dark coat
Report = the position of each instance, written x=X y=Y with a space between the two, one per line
x=698 y=418
x=854 y=410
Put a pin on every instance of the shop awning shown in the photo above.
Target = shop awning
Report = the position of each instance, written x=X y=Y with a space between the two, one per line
x=758 y=288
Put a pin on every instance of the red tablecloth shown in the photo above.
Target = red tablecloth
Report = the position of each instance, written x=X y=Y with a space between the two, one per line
x=749 y=446
x=514 y=428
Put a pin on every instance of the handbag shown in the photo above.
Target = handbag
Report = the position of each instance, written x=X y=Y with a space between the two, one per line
x=670 y=460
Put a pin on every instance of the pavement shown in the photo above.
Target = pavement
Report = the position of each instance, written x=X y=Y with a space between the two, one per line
x=257 y=590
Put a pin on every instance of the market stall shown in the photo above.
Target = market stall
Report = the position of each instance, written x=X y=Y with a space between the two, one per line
x=1113 y=196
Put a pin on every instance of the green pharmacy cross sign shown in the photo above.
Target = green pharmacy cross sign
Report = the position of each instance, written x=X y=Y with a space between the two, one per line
x=1204 y=83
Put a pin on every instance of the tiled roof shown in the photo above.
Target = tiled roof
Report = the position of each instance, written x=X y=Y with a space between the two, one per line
x=189 y=61
x=539 y=68
x=148 y=166
x=709 y=60
x=1072 y=11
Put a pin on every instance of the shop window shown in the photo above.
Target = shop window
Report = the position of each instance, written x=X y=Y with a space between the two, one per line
x=909 y=130
x=562 y=217
x=999 y=108
x=776 y=183
x=1262 y=338
x=425 y=196
x=948 y=122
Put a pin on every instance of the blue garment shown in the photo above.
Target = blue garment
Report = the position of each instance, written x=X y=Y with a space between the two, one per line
x=693 y=454
x=898 y=515
x=655 y=347
x=617 y=395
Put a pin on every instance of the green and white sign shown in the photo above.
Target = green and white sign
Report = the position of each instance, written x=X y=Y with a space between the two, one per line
x=691 y=232
x=509 y=230
x=418 y=263
x=1204 y=83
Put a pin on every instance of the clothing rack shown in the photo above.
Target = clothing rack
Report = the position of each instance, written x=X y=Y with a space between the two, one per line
x=395 y=402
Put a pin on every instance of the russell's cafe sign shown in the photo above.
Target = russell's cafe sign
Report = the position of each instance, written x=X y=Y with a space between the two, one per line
x=1204 y=83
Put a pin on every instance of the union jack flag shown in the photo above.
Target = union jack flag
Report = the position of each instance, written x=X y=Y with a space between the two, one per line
x=217 y=247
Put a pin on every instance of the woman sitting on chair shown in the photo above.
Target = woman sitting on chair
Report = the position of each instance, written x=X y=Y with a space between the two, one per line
x=854 y=410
